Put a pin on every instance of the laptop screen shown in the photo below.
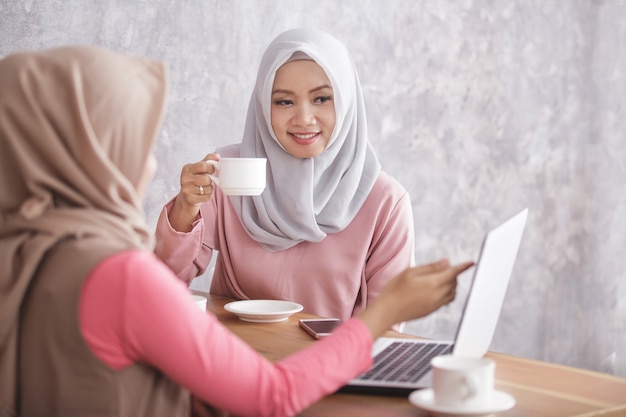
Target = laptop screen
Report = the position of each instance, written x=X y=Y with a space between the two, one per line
x=489 y=285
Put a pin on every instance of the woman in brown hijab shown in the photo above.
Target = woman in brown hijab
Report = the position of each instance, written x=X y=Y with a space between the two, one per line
x=81 y=291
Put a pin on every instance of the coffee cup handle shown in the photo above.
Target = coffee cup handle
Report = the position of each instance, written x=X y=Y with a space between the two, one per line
x=470 y=388
x=214 y=177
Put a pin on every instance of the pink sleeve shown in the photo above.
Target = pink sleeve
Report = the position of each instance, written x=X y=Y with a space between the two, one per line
x=133 y=309
x=184 y=253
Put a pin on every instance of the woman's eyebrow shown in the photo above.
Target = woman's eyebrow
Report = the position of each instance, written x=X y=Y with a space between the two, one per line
x=313 y=90
x=321 y=87
x=281 y=91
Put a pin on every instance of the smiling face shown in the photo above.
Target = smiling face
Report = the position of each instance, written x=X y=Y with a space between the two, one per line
x=303 y=110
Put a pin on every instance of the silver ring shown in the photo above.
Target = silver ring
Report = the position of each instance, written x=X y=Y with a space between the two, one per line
x=201 y=190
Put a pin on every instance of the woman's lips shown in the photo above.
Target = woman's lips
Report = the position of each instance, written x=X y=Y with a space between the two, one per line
x=305 y=138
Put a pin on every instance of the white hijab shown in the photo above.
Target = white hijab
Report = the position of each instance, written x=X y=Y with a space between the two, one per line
x=306 y=199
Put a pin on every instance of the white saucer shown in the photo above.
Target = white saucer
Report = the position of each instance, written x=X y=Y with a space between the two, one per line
x=263 y=311
x=423 y=399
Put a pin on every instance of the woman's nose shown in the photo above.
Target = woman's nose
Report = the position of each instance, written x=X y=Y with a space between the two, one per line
x=304 y=115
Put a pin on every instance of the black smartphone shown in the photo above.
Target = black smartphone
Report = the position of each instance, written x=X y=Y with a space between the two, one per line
x=319 y=328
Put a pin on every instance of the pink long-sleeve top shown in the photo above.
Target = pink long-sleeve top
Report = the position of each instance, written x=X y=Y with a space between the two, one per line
x=334 y=278
x=133 y=309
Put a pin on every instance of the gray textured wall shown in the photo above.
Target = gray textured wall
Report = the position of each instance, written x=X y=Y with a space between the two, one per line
x=478 y=107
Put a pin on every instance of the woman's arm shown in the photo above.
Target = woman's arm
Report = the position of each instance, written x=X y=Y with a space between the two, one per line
x=125 y=320
x=132 y=309
x=184 y=253
x=180 y=229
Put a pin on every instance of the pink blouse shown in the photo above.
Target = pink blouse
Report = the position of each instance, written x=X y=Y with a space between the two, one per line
x=133 y=309
x=334 y=278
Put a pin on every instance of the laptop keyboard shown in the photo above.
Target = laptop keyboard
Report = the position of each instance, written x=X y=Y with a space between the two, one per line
x=404 y=362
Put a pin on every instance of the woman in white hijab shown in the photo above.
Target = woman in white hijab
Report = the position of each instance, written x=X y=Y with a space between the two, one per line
x=331 y=228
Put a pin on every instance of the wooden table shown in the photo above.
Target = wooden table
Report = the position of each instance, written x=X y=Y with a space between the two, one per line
x=540 y=388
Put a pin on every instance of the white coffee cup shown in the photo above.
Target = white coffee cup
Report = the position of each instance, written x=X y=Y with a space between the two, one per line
x=200 y=301
x=463 y=382
x=239 y=176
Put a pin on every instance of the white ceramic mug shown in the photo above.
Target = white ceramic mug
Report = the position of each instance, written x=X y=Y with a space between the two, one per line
x=463 y=382
x=239 y=176
x=200 y=301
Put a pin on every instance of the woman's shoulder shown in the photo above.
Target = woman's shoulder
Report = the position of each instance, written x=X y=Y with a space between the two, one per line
x=387 y=196
x=386 y=185
x=387 y=201
x=136 y=268
x=134 y=262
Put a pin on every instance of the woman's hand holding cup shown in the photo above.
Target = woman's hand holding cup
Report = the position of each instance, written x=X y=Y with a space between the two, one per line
x=196 y=187
x=234 y=176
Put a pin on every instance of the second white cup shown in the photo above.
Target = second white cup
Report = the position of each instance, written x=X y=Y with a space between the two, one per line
x=200 y=301
x=239 y=176
x=463 y=382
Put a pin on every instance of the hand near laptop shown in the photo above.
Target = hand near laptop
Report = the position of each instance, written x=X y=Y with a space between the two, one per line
x=414 y=293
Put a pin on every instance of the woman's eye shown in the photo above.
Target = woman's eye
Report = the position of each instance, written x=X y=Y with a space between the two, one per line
x=323 y=99
x=283 y=102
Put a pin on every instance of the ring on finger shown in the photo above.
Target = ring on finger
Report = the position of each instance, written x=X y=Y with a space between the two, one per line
x=201 y=190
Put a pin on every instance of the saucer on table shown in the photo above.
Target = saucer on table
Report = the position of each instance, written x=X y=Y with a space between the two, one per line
x=424 y=399
x=263 y=311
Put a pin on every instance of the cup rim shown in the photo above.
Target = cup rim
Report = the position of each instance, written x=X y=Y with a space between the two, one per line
x=459 y=363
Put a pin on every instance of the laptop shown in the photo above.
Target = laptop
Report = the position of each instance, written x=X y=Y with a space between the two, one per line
x=403 y=365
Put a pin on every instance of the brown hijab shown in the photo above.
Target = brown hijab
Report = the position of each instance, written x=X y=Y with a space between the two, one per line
x=77 y=125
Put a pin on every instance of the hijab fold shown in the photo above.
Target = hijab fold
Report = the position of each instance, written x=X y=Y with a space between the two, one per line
x=306 y=199
x=77 y=125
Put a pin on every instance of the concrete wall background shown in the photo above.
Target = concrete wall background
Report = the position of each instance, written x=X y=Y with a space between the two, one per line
x=478 y=107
